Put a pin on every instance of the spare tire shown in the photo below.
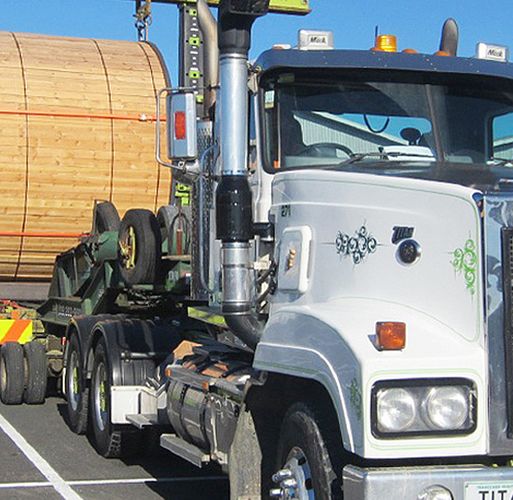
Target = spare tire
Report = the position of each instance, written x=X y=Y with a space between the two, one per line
x=139 y=247
x=106 y=217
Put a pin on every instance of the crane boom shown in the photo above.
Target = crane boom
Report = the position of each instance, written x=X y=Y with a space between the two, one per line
x=282 y=6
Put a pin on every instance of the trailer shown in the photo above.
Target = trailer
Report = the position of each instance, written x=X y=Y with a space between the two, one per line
x=324 y=310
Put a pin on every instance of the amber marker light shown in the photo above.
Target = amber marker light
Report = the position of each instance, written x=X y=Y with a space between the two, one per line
x=385 y=43
x=441 y=53
x=391 y=335
x=168 y=372
x=409 y=51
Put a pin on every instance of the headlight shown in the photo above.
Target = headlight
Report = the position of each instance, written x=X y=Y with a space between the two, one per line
x=447 y=407
x=396 y=410
x=423 y=407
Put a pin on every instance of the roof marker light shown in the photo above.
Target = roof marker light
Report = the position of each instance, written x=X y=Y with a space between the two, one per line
x=282 y=46
x=498 y=53
x=315 y=40
x=385 y=43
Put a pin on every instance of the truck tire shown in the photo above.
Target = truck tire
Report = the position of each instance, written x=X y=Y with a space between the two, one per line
x=110 y=441
x=305 y=450
x=12 y=373
x=252 y=455
x=77 y=392
x=36 y=373
x=140 y=247
x=106 y=217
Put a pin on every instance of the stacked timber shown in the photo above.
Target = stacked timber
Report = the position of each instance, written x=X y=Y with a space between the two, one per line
x=76 y=125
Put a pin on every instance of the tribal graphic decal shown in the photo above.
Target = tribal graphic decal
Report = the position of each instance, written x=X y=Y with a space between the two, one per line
x=355 y=398
x=358 y=246
x=464 y=261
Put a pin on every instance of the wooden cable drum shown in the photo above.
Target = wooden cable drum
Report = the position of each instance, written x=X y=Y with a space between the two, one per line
x=76 y=125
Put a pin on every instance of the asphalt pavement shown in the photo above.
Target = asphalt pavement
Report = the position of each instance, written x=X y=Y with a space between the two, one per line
x=40 y=458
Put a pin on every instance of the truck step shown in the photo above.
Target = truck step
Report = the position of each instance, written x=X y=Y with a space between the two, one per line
x=143 y=420
x=183 y=449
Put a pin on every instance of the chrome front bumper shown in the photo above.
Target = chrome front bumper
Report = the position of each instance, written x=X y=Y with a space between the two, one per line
x=464 y=482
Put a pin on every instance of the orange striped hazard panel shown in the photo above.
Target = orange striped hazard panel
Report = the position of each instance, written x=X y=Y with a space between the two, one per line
x=15 y=330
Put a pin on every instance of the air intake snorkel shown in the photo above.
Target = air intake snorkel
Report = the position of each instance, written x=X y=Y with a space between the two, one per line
x=233 y=196
x=449 y=38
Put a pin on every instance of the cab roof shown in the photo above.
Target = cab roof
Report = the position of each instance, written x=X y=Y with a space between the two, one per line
x=279 y=59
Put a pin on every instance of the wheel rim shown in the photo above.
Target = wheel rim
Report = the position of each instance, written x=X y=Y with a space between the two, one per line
x=127 y=246
x=294 y=480
x=101 y=413
x=73 y=381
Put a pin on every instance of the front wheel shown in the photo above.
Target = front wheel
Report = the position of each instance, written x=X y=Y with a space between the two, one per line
x=306 y=468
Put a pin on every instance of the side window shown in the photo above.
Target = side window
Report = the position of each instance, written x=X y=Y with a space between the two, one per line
x=502 y=137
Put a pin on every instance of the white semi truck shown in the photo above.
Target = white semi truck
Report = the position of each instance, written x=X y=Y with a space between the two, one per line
x=329 y=313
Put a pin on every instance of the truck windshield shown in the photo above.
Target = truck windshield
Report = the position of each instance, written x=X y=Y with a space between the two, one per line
x=390 y=121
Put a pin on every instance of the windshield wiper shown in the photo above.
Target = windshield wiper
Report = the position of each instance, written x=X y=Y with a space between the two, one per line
x=501 y=162
x=356 y=157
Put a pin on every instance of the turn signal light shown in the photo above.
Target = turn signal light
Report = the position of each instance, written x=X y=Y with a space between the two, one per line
x=180 y=129
x=391 y=335
x=385 y=43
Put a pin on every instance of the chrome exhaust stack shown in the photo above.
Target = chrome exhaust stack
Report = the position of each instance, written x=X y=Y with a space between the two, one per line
x=208 y=27
x=234 y=222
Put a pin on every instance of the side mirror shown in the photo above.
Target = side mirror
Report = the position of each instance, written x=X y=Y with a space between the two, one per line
x=181 y=125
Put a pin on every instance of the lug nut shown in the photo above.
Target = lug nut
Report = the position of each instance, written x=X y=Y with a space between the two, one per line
x=275 y=493
x=289 y=483
x=281 y=475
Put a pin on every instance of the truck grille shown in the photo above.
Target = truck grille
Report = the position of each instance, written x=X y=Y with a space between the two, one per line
x=507 y=270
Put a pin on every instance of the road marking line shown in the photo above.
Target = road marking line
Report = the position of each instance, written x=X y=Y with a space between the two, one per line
x=92 y=482
x=38 y=461
x=29 y=484
x=105 y=482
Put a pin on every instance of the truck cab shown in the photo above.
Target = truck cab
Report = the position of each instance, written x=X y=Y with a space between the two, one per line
x=391 y=181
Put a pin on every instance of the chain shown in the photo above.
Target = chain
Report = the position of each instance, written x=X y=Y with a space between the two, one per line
x=143 y=21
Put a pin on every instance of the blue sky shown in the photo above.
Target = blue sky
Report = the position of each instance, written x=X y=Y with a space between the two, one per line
x=417 y=23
